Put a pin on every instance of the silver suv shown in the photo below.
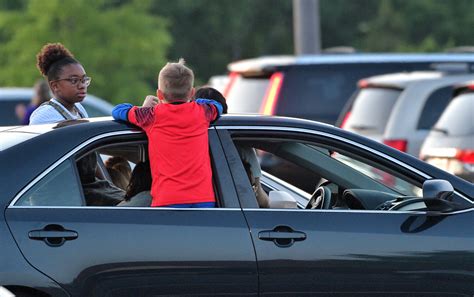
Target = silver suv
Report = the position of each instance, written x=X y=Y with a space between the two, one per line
x=399 y=109
x=450 y=144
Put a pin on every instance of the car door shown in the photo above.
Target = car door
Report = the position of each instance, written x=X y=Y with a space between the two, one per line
x=133 y=251
x=340 y=251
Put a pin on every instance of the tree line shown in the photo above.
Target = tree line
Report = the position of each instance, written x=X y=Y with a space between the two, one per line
x=124 y=43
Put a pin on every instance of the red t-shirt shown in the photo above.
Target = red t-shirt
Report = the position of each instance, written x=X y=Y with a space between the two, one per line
x=178 y=149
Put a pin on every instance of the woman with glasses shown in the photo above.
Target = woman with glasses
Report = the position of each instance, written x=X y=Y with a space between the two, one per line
x=68 y=82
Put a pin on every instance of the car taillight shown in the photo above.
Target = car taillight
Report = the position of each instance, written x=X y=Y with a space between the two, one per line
x=363 y=83
x=465 y=156
x=346 y=118
x=232 y=78
x=399 y=144
x=270 y=99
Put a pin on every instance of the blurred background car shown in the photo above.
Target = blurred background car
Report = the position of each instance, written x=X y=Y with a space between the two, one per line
x=450 y=144
x=399 y=109
x=218 y=82
x=11 y=97
x=316 y=87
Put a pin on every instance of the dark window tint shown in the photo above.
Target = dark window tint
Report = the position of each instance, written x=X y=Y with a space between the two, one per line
x=320 y=92
x=434 y=106
x=371 y=110
x=58 y=188
x=7 y=112
x=458 y=118
x=246 y=95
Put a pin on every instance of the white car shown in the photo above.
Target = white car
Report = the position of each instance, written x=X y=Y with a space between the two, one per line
x=11 y=97
x=399 y=109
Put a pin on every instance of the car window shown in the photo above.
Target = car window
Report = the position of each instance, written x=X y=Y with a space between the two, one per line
x=291 y=161
x=319 y=93
x=371 y=109
x=60 y=187
x=434 y=106
x=7 y=112
x=382 y=176
x=246 y=94
x=458 y=117
x=106 y=174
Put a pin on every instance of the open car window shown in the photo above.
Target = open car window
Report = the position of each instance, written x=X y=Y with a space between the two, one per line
x=299 y=168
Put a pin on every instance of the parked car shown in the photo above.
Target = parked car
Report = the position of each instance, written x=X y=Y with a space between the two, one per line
x=355 y=233
x=317 y=87
x=218 y=82
x=399 y=109
x=450 y=144
x=11 y=97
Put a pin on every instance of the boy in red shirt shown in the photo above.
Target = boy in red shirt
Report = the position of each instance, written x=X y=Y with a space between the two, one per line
x=177 y=134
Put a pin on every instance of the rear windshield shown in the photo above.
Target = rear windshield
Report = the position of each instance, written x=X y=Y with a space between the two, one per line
x=371 y=109
x=458 y=117
x=247 y=94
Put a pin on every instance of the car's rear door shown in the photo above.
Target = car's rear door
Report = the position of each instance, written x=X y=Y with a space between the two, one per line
x=120 y=251
x=347 y=252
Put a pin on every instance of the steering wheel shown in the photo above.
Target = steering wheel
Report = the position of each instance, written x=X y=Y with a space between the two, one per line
x=321 y=198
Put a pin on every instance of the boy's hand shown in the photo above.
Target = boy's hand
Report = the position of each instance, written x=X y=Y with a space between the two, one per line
x=150 y=101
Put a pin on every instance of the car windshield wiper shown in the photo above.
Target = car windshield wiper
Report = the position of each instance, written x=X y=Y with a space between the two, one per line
x=442 y=130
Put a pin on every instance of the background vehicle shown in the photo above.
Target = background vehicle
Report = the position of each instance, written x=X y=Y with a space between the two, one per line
x=55 y=243
x=450 y=144
x=316 y=87
x=399 y=109
x=218 y=82
x=11 y=97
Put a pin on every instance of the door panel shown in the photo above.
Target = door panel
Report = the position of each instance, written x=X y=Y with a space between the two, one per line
x=356 y=253
x=139 y=252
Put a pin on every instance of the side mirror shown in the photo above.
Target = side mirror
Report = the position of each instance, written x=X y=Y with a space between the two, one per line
x=281 y=199
x=437 y=189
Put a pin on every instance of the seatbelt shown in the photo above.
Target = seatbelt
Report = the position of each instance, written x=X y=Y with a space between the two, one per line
x=62 y=112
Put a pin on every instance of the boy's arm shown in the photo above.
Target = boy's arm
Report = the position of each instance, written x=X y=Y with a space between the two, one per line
x=139 y=116
x=212 y=107
x=120 y=112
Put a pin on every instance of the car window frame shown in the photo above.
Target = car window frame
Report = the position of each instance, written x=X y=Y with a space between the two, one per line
x=222 y=181
x=246 y=195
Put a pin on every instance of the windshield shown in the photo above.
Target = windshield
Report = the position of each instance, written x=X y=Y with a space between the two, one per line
x=458 y=117
x=371 y=110
x=246 y=95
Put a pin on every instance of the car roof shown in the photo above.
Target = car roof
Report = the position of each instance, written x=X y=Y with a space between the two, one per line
x=403 y=80
x=268 y=62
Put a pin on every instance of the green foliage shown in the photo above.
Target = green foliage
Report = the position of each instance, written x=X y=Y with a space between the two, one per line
x=209 y=34
x=121 y=47
x=124 y=43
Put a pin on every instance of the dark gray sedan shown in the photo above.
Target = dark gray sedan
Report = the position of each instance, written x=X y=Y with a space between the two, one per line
x=377 y=223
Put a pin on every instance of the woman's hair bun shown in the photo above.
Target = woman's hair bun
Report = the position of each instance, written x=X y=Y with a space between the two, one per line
x=50 y=54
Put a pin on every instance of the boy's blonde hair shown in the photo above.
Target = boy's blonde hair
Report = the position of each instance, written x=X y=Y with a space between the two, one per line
x=176 y=81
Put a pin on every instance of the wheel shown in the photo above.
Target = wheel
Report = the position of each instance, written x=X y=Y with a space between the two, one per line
x=321 y=198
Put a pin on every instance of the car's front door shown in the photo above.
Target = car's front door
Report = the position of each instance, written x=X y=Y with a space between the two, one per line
x=141 y=251
x=339 y=251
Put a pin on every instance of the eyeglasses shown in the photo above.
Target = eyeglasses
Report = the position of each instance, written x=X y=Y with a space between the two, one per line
x=75 y=80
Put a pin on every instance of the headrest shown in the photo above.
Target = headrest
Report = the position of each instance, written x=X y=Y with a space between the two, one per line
x=281 y=199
